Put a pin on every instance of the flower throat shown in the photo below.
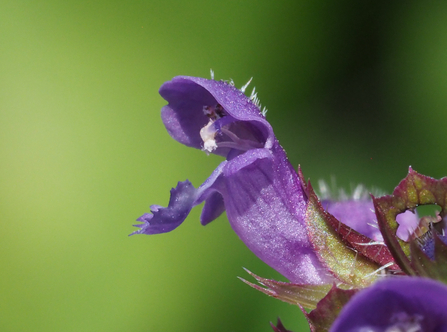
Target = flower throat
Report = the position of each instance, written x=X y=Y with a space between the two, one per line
x=220 y=132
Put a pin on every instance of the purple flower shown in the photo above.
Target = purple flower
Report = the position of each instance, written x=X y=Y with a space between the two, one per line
x=359 y=214
x=256 y=185
x=396 y=304
x=356 y=213
x=315 y=244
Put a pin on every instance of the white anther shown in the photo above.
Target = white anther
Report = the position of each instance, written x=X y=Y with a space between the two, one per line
x=208 y=135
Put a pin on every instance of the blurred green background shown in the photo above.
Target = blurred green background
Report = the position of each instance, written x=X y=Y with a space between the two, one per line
x=355 y=90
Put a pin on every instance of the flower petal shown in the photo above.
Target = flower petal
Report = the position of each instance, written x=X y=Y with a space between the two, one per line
x=408 y=222
x=213 y=208
x=162 y=220
x=210 y=192
x=357 y=214
x=396 y=304
x=256 y=185
x=184 y=116
x=265 y=205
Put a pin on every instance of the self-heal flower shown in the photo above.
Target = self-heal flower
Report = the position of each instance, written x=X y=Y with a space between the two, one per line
x=256 y=185
x=332 y=250
x=272 y=209
x=396 y=304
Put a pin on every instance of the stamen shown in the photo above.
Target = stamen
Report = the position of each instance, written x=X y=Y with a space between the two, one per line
x=219 y=124
x=238 y=143
x=208 y=135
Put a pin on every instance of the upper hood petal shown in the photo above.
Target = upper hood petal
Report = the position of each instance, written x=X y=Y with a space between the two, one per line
x=184 y=116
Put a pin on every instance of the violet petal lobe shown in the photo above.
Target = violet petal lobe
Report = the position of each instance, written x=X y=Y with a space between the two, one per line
x=408 y=222
x=183 y=198
x=396 y=304
x=163 y=220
